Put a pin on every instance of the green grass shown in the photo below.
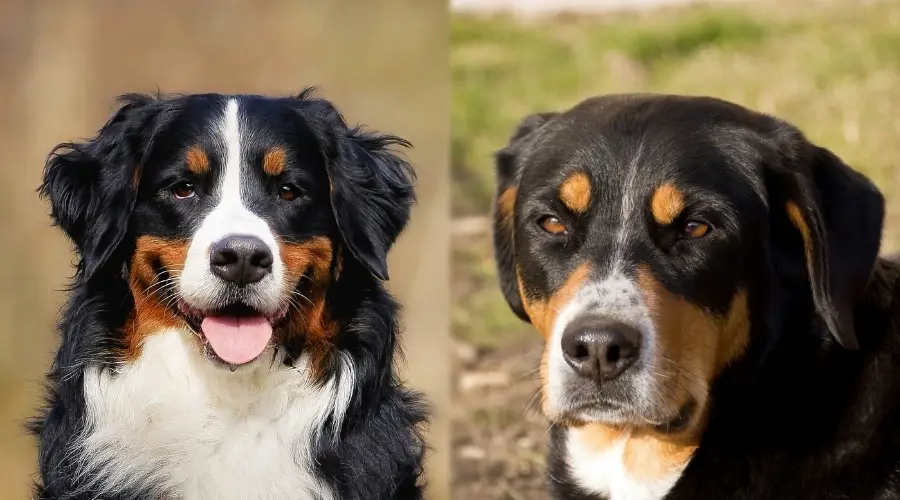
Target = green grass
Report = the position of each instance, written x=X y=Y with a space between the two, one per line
x=832 y=68
x=480 y=314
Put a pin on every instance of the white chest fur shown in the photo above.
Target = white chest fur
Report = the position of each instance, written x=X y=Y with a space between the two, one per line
x=174 y=424
x=602 y=471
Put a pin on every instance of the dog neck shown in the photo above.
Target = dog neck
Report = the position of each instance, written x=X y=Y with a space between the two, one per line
x=627 y=463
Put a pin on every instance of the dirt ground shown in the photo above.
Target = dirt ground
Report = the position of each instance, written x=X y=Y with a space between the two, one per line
x=499 y=435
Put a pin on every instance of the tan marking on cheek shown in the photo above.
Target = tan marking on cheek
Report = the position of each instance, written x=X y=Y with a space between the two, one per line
x=542 y=313
x=666 y=204
x=310 y=317
x=533 y=308
x=736 y=333
x=196 y=160
x=314 y=321
x=795 y=214
x=575 y=192
x=686 y=334
x=150 y=313
x=313 y=256
x=274 y=161
x=694 y=344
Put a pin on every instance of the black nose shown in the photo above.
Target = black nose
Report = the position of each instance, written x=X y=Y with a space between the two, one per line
x=240 y=259
x=600 y=348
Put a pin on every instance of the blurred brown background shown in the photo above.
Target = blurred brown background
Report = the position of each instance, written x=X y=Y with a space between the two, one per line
x=384 y=63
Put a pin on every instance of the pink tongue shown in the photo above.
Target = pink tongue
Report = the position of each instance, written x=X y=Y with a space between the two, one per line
x=237 y=340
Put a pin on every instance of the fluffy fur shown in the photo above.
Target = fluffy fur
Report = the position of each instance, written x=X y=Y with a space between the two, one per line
x=139 y=405
x=718 y=323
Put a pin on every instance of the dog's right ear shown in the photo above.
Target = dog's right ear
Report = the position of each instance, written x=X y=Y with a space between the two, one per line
x=507 y=174
x=92 y=185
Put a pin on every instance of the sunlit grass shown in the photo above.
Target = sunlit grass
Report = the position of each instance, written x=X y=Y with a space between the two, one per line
x=832 y=68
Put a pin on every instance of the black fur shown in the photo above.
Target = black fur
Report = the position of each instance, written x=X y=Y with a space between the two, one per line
x=104 y=194
x=811 y=410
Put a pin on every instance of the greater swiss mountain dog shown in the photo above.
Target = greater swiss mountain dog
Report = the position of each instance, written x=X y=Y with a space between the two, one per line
x=718 y=324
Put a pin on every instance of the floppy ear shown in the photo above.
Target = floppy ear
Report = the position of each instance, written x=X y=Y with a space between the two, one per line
x=371 y=195
x=839 y=214
x=91 y=186
x=507 y=173
x=371 y=186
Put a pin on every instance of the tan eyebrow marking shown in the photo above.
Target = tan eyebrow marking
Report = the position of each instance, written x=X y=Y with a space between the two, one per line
x=667 y=203
x=575 y=192
x=196 y=160
x=274 y=161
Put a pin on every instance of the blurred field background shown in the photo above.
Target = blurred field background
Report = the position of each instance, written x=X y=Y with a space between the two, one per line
x=832 y=67
x=383 y=62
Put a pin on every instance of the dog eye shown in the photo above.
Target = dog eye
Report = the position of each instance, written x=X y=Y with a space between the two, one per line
x=184 y=190
x=695 y=229
x=289 y=192
x=552 y=225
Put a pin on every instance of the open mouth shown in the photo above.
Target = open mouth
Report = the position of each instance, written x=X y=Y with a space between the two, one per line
x=234 y=335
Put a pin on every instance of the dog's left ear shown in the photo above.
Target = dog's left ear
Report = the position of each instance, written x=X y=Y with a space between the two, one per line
x=839 y=215
x=371 y=185
x=371 y=195
x=507 y=170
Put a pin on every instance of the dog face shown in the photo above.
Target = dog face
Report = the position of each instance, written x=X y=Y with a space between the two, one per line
x=643 y=237
x=230 y=215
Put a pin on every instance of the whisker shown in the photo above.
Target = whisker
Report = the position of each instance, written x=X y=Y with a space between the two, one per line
x=534 y=397
x=297 y=293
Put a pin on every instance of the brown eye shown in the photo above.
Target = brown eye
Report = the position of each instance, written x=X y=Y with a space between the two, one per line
x=288 y=192
x=553 y=226
x=695 y=229
x=184 y=190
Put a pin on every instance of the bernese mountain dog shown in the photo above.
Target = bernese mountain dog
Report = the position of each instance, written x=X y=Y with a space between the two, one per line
x=718 y=323
x=227 y=333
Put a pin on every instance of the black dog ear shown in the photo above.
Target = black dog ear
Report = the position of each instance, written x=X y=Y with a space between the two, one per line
x=92 y=186
x=371 y=186
x=371 y=195
x=839 y=215
x=507 y=174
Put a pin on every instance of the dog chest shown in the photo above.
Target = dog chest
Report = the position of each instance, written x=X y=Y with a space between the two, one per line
x=173 y=423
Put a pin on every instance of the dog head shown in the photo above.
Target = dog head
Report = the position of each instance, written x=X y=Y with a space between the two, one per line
x=642 y=235
x=232 y=215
